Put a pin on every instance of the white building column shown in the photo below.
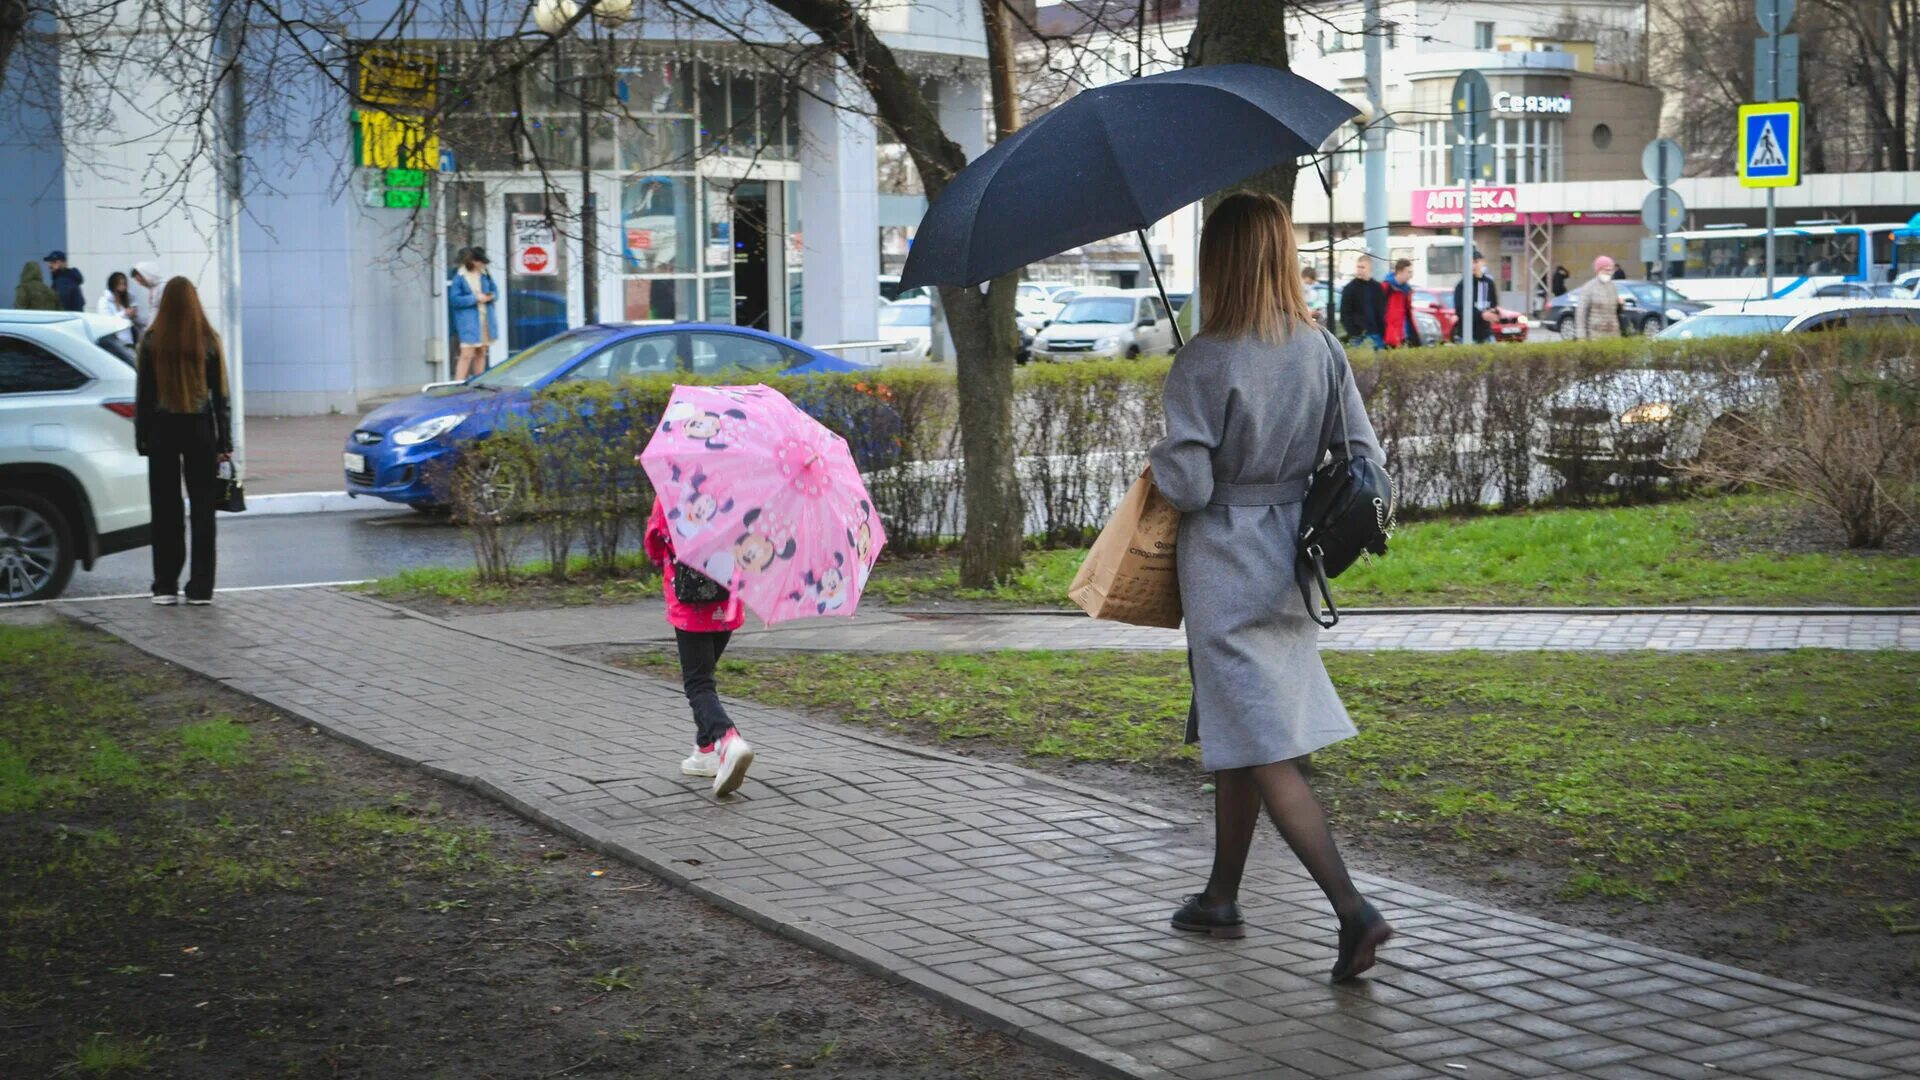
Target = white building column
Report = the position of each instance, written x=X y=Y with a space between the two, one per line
x=839 y=213
x=965 y=114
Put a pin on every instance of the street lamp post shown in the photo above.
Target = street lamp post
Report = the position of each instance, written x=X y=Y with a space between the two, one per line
x=555 y=17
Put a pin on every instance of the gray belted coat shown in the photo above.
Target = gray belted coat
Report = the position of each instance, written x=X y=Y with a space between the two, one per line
x=1247 y=423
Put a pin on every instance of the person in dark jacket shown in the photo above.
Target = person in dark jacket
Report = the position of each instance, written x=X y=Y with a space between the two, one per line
x=1478 y=311
x=1560 y=278
x=1363 y=306
x=66 y=282
x=183 y=426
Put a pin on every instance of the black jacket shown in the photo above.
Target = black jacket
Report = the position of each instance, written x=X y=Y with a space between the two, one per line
x=1363 y=308
x=66 y=286
x=217 y=412
x=1470 y=315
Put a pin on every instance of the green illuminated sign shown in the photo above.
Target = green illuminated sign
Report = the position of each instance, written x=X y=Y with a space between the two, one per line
x=406 y=178
x=405 y=199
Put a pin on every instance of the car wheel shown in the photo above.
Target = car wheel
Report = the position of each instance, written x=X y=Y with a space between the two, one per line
x=1133 y=352
x=1652 y=325
x=36 y=547
x=1559 y=325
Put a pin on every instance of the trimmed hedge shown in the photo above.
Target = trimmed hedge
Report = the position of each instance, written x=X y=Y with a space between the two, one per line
x=1463 y=427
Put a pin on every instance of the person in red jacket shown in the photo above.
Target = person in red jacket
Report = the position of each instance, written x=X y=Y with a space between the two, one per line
x=704 y=616
x=1401 y=331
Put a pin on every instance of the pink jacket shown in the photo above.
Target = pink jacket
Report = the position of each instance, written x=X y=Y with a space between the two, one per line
x=698 y=618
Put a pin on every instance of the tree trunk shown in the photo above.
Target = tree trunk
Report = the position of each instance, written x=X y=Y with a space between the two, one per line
x=1245 y=32
x=985 y=339
x=13 y=25
x=984 y=335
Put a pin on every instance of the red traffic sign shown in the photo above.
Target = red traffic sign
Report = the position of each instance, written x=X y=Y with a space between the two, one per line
x=534 y=260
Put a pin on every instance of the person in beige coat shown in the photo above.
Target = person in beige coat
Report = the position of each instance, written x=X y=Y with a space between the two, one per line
x=1596 y=309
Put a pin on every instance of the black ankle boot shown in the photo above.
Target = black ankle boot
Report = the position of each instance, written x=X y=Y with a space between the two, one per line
x=1218 y=920
x=1360 y=937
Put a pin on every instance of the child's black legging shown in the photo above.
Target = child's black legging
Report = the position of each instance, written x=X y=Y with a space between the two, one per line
x=699 y=653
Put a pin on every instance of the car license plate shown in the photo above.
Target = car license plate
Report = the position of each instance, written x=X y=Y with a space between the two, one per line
x=356 y=463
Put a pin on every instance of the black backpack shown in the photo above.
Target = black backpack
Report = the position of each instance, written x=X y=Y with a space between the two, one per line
x=1348 y=512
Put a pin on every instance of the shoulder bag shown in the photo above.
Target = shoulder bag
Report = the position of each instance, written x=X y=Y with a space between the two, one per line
x=1349 y=512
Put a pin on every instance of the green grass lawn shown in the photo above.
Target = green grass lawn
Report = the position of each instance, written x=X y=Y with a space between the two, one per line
x=460 y=586
x=1712 y=775
x=1651 y=555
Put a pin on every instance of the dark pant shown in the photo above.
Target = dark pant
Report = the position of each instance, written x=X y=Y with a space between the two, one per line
x=699 y=653
x=181 y=446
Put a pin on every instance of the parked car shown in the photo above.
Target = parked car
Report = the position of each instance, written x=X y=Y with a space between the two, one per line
x=1910 y=281
x=72 y=486
x=890 y=289
x=907 y=327
x=1508 y=325
x=1129 y=323
x=1643 y=308
x=1631 y=423
x=1860 y=290
x=1066 y=294
x=401 y=452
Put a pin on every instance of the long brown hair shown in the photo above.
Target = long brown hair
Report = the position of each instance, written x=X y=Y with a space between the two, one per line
x=1250 y=270
x=177 y=345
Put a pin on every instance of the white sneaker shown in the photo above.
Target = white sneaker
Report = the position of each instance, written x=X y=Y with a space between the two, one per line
x=208 y=602
x=166 y=599
x=735 y=757
x=701 y=763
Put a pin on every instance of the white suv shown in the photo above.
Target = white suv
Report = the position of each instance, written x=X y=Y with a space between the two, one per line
x=72 y=486
x=1129 y=322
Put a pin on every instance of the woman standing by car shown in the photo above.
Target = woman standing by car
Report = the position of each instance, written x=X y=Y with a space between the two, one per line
x=1253 y=403
x=116 y=300
x=183 y=426
x=471 y=294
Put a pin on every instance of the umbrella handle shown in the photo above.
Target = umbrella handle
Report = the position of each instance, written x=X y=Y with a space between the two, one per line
x=1178 y=341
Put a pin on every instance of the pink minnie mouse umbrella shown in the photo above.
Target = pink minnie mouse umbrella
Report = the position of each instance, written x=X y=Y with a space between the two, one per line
x=764 y=500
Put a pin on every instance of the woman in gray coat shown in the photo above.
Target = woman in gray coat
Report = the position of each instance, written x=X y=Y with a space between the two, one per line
x=1253 y=404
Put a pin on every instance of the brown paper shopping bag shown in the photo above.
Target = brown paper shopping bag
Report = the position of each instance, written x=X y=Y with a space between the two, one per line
x=1129 y=573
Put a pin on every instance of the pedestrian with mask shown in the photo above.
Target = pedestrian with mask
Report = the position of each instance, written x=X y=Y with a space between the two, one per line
x=66 y=281
x=1397 y=292
x=1363 y=306
x=117 y=300
x=1253 y=403
x=32 y=294
x=1476 y=313
x=1596 y=308
x=470 y=296
x=183 y=426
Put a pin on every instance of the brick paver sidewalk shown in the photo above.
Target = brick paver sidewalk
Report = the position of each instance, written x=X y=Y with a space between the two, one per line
x=880 y=630
x=1036 y=905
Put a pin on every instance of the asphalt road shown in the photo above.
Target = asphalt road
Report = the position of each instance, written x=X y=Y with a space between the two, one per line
x=299 y=549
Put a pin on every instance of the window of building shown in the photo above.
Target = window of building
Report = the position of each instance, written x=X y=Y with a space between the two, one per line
x=26 y=368
x=1483 y=35
x=1527 y=150
x=1393 y=34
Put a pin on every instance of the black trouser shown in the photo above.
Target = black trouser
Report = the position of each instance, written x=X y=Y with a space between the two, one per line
x=181 y=446
x=699 y=653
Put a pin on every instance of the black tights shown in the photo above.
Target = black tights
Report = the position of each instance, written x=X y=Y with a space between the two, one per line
x=1238 y=795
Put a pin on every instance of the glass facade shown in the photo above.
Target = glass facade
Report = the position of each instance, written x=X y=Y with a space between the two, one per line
x=1526 y=150
x=651 y=119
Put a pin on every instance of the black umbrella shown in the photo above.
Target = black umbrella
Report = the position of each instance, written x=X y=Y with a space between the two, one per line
x=1116 y=159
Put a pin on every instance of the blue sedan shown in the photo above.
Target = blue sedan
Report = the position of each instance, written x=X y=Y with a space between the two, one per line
x=397 y=450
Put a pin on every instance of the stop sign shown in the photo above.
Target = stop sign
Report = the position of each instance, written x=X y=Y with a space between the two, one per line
x=533 y=260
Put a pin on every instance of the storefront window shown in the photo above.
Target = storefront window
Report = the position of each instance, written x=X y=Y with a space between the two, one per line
x=656 y=222
x=796 y=257
x=661 y=299
x=648 y=144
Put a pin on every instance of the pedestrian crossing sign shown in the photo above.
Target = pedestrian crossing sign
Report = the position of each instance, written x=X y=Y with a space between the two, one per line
x=1770 y=144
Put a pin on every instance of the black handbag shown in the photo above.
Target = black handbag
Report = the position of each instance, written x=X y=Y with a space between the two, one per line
x=230 y=494
x=1348 y=512
x=690 y=586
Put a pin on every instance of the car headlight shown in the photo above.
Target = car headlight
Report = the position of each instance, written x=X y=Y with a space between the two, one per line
x=1674 y=314
x=1107 y=343
x=427 y=430
x=1653 y=412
